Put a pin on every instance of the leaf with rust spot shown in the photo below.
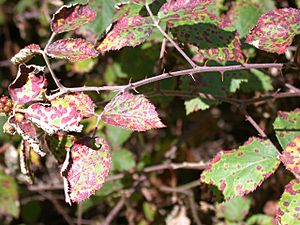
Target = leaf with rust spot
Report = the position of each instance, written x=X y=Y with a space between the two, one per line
x=25 y=54
x=291 y=156
x=83 y=103
x=61 y=115
x=238 y=172
x=130 y=31
x=287 y=126
x=288 y=212
x=275 y=30
x=69 y=18
x=28 y=84
x=85 y=168
x=8 y=196
x=72 y=49
x=133 y=112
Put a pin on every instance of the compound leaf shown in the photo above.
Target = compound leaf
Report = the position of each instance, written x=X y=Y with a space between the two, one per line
x=28 y=84
x=69 y=18
x=25 y=54
x=130 y=31
x=288 y=212
x=287 y=126
x=85 y=168
x=61 y=115
x=275 y=30
x=291 y=156
x=72 y=49
x=241 y=171
x=8 y=196
x=133 y=112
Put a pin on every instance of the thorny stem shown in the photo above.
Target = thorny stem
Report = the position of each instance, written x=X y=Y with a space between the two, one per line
x=253 y=123
x=163 y=76
x=156 y=24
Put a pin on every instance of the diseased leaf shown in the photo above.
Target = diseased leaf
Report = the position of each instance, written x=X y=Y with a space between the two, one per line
x=186 y=12
x=59 y=144
x=287 y=126
x=291 y=156
x=27 y=131
x=288 y=212
x=8 y=196
x=275 y=30
x=133 y=112
x=244 y=14
x=125 y=31
x=72 y=49
x=61 y=115
x=241 y=171
x=85 y=168
x=25 y=54
x=83 y=103
x=28 y=84
x=69 y=18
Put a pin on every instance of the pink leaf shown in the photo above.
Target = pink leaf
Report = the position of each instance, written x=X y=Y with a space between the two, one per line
x=85 y=168
x=69 y=18
x=275 y=30
x=133 y=112
x=28 y=84
x=25 y=54
x=83 y=103
x=61 y=115
x=72 y=49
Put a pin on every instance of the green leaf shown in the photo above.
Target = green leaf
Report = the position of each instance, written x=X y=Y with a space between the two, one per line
x=133 y=112
x=8 y=196
x=69 y=18
x=122 y=160
x=275 y=30
x=291 y=156
x=288 y=212
x=244 y=14
x=85 y=168
x=238 y=172
x=257 y=81
x=287 y=126
x=72 y=49
x=234 y=210
x=117 y=136
x=260 y=219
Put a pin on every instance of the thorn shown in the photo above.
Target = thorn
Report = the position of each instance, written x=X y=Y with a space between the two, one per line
x=192 y=76
x=205 y=63
x=133 y=88
x=222 y=75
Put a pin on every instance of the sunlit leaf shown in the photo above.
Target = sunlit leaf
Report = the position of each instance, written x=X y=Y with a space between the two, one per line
x=60 y=115
x=25 y=54
x=85 y=168
x=291 y=156
x=27 y=131
x=83 y=103
x=275 y=30
x=241 y=171
x=69 y=18
x=8 y=196
x=72 y=49
x=130 y=31
x=288 y=212
x=287 y=126
x=260 y=219
x=133 y=112
x=28 y=84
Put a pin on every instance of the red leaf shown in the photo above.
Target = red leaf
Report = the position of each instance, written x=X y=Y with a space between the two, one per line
x=69 y=18
x=28 y=84
x=72 y=49
x=133 y=112
x=83 y=103
x=85 y=168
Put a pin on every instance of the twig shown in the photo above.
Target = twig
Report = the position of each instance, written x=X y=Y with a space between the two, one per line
x=79 y=214
x=254 y=124
x=58 y=207
x=50 y=40
x=114 y=212
x=167 y=75
x=156 y=24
